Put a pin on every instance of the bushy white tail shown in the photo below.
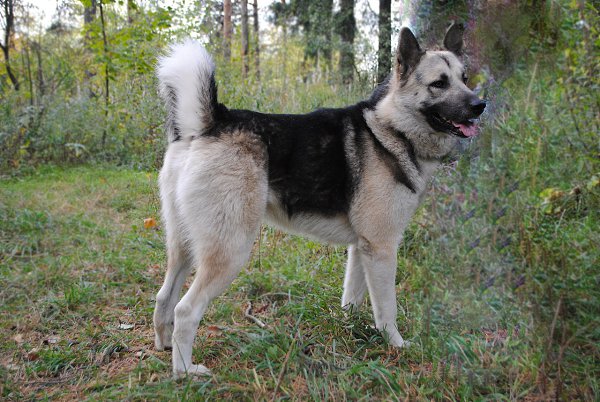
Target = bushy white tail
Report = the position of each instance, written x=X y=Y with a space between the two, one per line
x=187 y=86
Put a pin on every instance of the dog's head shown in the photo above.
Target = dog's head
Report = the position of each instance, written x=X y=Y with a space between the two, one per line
x=427 y=89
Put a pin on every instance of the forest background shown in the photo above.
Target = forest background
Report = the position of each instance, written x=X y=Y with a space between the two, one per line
x=498 y=276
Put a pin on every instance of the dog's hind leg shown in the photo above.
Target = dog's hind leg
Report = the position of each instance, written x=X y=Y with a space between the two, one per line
x=223 y=197
x=355 y=285
x=178 y=268
x=179 y=262
x=214 y=274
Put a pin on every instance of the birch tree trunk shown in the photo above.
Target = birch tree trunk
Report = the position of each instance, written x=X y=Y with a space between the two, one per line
x=347 y=32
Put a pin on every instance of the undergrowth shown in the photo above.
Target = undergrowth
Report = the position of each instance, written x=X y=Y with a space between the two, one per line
x=497 y=276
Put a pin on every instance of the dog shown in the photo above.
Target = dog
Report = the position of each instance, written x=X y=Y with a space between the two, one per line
x=351 y=176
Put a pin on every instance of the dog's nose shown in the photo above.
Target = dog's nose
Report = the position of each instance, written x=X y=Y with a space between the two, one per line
x=477 y=106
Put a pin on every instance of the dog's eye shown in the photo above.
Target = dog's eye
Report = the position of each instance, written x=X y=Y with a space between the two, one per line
x=438 y=84
x=465 y=78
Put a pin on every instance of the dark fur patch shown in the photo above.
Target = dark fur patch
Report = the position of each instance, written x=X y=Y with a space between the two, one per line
x=392 y=164
x=410 y=148
x=380 y=91
x=445 y=60
x=215 y=106
x=419 y=77
x=172 y=126
x=307 y=165
x=386 y=156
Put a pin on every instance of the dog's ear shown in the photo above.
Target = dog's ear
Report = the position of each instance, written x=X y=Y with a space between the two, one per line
x=453 y=41
x=408 y=54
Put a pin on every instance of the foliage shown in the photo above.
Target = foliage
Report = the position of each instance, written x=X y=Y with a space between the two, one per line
x=498 y=274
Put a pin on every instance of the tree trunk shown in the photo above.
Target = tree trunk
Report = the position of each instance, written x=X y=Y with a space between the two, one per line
x=130 y=11
x=106 y=78
x=347 y=31
x=9 y=21
x=27 y=63
x=227 y=29
x=89 y=15
x=37 y=48
x=326 y=30
x=384 y=54
x=284 y=64
x=245 y=67
x=256 y=40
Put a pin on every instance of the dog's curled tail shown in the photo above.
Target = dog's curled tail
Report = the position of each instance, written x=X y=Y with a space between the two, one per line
x=186 y=78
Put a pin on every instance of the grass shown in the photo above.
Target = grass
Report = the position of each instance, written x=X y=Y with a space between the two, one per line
x=497 y=279
x=79 y=273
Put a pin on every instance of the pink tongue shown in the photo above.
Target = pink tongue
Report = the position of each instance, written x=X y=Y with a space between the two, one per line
x=468 y=131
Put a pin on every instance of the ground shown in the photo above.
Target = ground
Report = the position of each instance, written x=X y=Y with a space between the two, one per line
x=82 y=257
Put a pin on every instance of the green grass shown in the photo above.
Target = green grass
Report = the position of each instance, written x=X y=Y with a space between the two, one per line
x=79 y=273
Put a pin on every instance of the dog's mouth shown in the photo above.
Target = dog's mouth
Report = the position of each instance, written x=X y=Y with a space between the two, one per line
x=464 y=129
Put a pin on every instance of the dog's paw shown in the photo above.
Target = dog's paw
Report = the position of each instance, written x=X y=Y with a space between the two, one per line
x=161 y=344
x=350 y=309
x=401 y=344
x=163 y=335
x=195 y=370
x=395 y=339
x=163 y=348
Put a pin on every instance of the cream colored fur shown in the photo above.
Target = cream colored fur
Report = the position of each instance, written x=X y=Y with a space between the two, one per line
x=215 y=194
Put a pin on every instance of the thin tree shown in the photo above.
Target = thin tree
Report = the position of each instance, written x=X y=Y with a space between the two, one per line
x=227 y=30
x=131 y=7
x=37 y=48
x=89 y=15
x=314 y=19
x=245 y=67
x=8 y=11
x=284 y=27
x=256 y=40
x=347 y=29
x=324 y=30
x=384 y=54
x=106 y=70
x=27 y=62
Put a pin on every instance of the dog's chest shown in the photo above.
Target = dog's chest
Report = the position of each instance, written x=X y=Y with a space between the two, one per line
x=330 y=228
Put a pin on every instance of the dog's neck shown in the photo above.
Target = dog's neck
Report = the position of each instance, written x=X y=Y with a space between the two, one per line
x=417 y=168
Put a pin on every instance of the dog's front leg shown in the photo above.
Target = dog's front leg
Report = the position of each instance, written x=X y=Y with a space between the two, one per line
x=379 y=264
x=355 y=286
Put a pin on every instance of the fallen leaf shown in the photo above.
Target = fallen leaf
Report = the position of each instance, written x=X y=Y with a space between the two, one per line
x=33 y=355
x=126 y=326
x=262 y=308
x=214 y=330
x=149 y=223
x=18 y=338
